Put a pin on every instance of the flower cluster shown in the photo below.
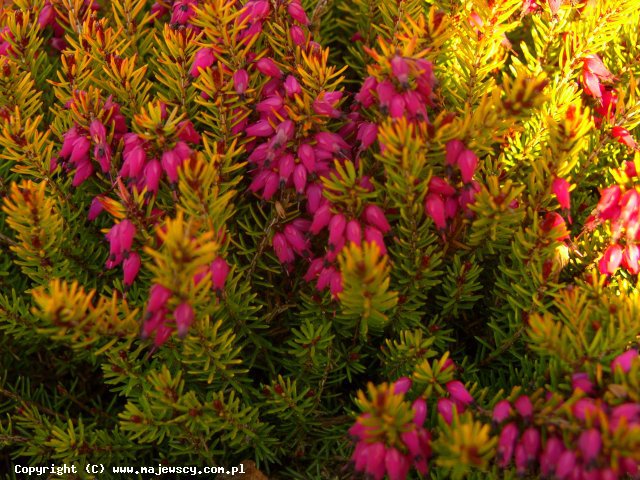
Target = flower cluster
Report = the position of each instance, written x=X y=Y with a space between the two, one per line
x=531 y=440
x=120 y=238
x=621 y=208
x=390 y=435
x=96 y=141
x=443 y=200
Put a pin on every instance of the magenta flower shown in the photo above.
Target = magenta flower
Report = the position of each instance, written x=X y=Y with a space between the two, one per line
x=611 y=260
x=151 y=176
x=581 y=381
x=219 y=272
x=202 y=60
x=353 y=232
x=291 y=86
x=550 y=455
x=506 y=444
x=593 y=71
x=80 y=151
x=590 y=444
x=419 y=408
x=158 y=297
x=297 y=12
x=440 y=186
x=402 y=385
x=524 y=407
x=624 y=361
x=454 y=149
x=83 y=171
x=397 y=464
x=373 y=235
x=434 y=205
x=183 y=315
x=283 y=250
x=445 y=409
x=374 y=216
x=240 y=81
x=459 y=394
x=501 y=411
x=566 y=464
x=560 y=188
x=467 y=162
x=130 y=267
x=95 y=209
x=268 y=67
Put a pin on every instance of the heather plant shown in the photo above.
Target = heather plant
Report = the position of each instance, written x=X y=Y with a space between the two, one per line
x=333 y=240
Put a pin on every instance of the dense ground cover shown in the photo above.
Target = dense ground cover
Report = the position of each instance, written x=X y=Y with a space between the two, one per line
x=341 y=239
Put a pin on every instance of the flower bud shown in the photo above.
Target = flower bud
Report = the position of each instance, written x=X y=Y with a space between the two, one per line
x=183 y=316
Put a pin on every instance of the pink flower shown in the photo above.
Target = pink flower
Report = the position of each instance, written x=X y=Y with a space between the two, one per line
x=130 y=267
x=337 y=226
x=550 y=455
x=590 y=444
x=501 y=411
x=566 y=464
x=283 y=250
x=296 y=239
x=83 y=171
x=151 y=176
x=608 y=204
x=611 y=260
x=631 y=258
x=187 y=132
x=434 y=206
x=623 y=136
x=445 y=409
x=593 y=71
x=240 y=81
x=441 y=187
x=297 y=35
x=454 y=149
x=506 y=444
x=291 y=86
x=97 y=131
x=624 y=361
x=158 y=297
x=581 y=381
x=467 y=162
x=262 y=128
x=374 y=216
x=419 y=408
x=531 y=443
x=335 y=284
x=47 y=15
x=374 y=236
x=162 y=335
x=354 y=232
x=133 y=162
x=95 y=209
x=183 y=315
x=170 y=163
x=268 y=67
x=397 y=464
x=297 y=12
x=321 y=219
x=219 y=272
x=524 y=407
x=402 y=385
x=400 y=70
x=584 y=408
x=300 y=178
x=203 y=59
x=80 y=151
x=459 y=394
x=560 y=189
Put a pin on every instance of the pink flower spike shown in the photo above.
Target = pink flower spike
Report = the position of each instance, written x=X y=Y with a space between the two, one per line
x=445 y=409
x=419 y=408
x=375 y=217
x=130 y=267
x=454 y=149
x=240 y=81
x=467 y=162
x=624 y=361
x=501 y=411
x=611 y=260
x=183 y=316
x=459 y=394
x=203 y=59
x=297 y=12
x=560 y=188
x=268 y=67
x=401 y=386
x=524 y=407
x=397 y=464
x=95 y=209
x=506 y=444
x=219 y=272
x=590 y=444
x=158 y=297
